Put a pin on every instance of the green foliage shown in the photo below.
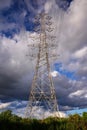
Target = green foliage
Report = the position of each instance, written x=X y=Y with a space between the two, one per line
x=9 y=121
x=85 y=115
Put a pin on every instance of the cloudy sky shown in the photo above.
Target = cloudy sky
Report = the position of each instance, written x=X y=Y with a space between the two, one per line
x=16 y=71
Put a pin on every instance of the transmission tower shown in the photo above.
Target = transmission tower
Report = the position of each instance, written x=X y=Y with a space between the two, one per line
x=42 y=93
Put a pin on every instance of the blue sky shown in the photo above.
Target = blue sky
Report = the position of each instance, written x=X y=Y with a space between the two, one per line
x=16 y=27
x=69 y=74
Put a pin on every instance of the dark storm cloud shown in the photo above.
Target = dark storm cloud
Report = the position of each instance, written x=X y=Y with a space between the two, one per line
x=14 y=69
x=70 y=93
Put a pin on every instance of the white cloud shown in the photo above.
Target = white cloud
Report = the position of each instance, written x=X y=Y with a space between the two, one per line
x=73 y=32
x=18 y=107
x=48 y=5
x=77 y=93
x=32 y=8
x=81 y=53
x=4 y=105
x=40 y=113
x=54 y=73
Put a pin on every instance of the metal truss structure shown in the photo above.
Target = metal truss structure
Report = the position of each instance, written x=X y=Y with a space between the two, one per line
x=42 y=93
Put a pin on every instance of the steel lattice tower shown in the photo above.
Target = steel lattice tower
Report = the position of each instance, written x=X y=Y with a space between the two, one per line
x=42 y=93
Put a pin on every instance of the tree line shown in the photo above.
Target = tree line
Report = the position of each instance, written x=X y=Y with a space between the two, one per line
x=9 y=121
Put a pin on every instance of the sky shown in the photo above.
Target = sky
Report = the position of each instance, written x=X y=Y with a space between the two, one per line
x=69 y=69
